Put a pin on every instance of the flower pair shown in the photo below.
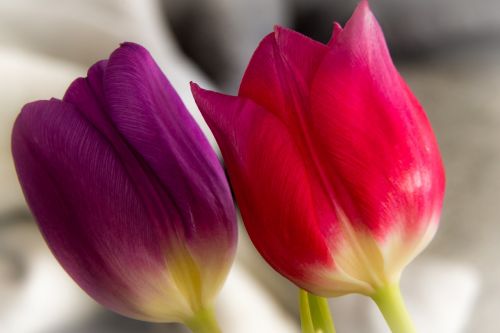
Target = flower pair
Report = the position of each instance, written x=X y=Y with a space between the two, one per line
x=332 y=160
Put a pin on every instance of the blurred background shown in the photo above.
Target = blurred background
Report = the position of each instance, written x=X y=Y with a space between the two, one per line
x=448 y=51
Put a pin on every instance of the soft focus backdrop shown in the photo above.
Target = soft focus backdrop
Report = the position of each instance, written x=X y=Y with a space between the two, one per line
x=449 y=52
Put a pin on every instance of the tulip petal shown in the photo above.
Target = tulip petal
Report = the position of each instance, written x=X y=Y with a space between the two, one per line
x=150 y=115
x=152 y=118
x=337 y=30
x=383 y=162
x=265 y=166
x=127 y=191
x=86 y=95
x=280 y=72
x=130 y=101
x=328 y=150
x=89 y=208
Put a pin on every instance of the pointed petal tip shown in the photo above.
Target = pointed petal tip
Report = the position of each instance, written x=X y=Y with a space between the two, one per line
x=195 y=87
x=365 y=4
x=363 y=28
x=205 y=99
x=202 y=98
x=277 y=33
x=337 y=27
x=277 y=28
x=363 y=9
x=336 y=31
x=204 y=94
x=199 y=94
x=281 y=34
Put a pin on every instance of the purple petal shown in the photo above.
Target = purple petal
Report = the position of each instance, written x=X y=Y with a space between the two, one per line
x=88 y=208
x=149 y=114
x=86 y=94
x=135 y=203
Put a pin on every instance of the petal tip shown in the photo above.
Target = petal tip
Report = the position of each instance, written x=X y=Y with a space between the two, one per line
x=130 y=49
x=194 y=86
x=203 y=98
x=197 y=91
x=131 y=45
x=277 y=29
x=281 y=34
x=362 y=28
x=336 y=31
x=363 y=10
x=30 y=115
x=337 y=27
x=365 y=4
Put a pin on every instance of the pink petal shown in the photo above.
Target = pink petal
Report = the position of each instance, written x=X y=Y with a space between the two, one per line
x=280 y=72
x=285 y=213
x=89 y=207
x=375 y=143
x=337 y=30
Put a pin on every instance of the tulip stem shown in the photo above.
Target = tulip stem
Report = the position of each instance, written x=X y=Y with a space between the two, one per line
x=391 y=304
x=204 y=322
x=315 y=314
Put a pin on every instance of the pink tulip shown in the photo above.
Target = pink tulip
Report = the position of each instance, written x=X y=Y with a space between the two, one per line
x=332 y=159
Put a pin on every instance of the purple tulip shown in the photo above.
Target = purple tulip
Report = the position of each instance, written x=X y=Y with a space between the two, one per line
x=127 y=191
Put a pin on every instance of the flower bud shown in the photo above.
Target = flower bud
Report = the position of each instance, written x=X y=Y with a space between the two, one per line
x=127 y=191
x=333 y=161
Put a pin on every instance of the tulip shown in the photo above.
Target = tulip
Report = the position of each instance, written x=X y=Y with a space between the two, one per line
x=333 y=161
x=128 y=193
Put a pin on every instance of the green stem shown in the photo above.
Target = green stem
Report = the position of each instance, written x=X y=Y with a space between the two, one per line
x=315 y=314
x=204 y=322
x=391 y=304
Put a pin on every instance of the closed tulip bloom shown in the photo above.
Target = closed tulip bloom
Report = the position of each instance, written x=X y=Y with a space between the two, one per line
x=127 y=192
x=333 y=161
